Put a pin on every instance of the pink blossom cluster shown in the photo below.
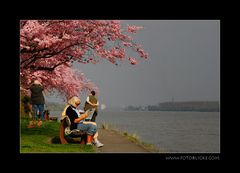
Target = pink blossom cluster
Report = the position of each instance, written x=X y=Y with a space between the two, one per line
x=134 y=29
x=48 y=49
x=132 y=60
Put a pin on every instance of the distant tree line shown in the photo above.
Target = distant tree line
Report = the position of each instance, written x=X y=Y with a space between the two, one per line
x=201 y=106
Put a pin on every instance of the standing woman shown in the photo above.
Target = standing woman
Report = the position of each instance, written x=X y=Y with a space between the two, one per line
x=37 y=100
x=92 y=102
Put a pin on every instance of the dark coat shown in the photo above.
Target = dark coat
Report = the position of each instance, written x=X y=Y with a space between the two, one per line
x=37 y=94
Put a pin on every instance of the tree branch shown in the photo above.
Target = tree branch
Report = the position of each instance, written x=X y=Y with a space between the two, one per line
x=49 y=55
x=49 y=68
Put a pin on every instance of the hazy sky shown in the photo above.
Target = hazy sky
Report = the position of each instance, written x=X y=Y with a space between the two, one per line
x=183 y=64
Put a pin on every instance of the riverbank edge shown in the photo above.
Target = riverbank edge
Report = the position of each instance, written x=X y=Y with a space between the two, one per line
x=131 y=137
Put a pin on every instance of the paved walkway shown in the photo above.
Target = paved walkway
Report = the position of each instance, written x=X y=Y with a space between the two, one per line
x=117 y=143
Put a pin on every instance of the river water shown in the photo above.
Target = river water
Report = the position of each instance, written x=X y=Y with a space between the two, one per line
x=170 y=132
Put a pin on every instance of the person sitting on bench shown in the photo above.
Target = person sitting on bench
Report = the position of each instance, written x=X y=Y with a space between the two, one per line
x=77 y=120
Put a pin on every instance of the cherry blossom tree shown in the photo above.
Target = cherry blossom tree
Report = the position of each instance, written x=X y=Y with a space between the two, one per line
x=48 y=49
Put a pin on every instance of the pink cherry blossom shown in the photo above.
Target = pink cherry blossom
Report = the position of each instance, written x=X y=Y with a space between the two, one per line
x=127 y=44
x=133 y=29
x=132 y=60
x=48 y=48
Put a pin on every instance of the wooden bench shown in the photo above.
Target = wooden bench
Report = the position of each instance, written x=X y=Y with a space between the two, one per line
x=66 y=135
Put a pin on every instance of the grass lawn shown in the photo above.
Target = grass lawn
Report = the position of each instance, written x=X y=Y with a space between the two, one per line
x=46 y=140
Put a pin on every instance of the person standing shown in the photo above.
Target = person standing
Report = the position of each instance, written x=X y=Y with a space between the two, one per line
x=92 y=102
x=38 y=101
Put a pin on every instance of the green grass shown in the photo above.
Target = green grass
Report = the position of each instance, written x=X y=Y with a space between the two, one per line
x=135 y=138
x=46 y=140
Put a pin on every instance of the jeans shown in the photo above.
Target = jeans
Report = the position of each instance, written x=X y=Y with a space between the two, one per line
x=39 y=108
x=90 y=129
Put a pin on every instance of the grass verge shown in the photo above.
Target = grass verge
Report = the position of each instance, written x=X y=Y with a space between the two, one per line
x=46 y=140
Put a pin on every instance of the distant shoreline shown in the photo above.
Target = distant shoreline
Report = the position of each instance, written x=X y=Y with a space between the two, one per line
x=191 y=106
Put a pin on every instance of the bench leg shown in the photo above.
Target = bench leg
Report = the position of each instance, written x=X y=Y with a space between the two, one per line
x=83 y=139
x=62 y=133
